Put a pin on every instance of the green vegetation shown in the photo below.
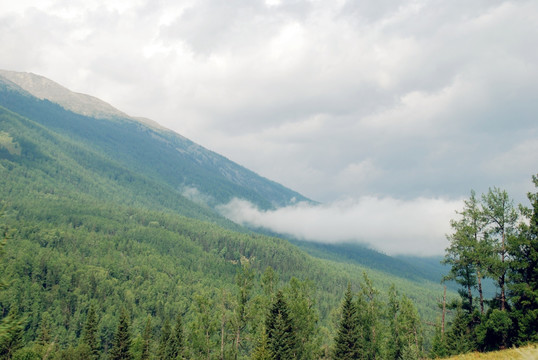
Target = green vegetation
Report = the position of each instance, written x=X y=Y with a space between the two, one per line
x=87 y=232
x=105 y=258
x=493 y=240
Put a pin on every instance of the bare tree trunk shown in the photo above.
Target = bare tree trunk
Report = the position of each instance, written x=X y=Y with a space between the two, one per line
x=501 y=282
x=237 y=339
x=444 y=313
x=479 y=277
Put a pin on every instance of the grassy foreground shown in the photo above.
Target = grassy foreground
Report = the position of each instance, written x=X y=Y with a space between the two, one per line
x=524 y=353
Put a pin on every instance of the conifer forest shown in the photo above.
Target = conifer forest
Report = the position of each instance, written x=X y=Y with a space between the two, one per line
x=102 y=257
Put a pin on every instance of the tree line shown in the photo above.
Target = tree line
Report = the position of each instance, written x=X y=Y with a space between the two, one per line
x=492 y=239
x=82 y=316
x=280 y=323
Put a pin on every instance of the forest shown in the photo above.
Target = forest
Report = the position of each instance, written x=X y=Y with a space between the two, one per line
x=103 y=258
x=57 y=306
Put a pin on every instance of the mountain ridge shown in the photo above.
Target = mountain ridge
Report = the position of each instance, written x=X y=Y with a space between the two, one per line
x=46 y=89
x=174 y=159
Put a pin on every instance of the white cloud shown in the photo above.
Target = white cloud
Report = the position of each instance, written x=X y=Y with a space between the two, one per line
x=416 y=226
x=336 y=99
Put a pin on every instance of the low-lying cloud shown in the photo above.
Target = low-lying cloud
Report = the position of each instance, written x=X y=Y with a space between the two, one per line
x=393 y=226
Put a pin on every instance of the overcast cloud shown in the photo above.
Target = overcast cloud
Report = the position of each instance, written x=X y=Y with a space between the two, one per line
x=408 y=103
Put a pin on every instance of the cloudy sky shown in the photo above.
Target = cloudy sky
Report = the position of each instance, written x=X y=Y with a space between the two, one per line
x=379 y=109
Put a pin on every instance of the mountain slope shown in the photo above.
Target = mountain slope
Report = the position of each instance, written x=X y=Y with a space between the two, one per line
x=45 y=89
x=95 y=214
x=69 y=203
x=155 y=152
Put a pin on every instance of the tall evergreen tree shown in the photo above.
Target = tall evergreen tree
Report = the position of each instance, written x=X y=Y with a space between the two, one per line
x=281 y=337
x=476 y=224
x=175 y=348
x=204 y=327
x=164 y=340
x=346 y=345
x=244 y=281
x=439 y=347
x=459 y=338
x=523 y=273
x=410 y=330
x=121 y=347
x=44 y=332
x=395 y=345
x=467 y=253
x=12 y=333
x=261 y=351
x=304 y=316
x=146 y=341
x=500 y=213
x=90 y=333
x=368 y=315
x=11 y=329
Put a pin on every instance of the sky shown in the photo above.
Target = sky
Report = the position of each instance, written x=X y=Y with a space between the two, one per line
x=386 y=112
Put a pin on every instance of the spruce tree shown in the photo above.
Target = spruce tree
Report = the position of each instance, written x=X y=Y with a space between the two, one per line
x=11 y=335
x=146 y=341
x=44 y=332
x=9 y=325
x=166 y=333
x=121 y=347
x=244 y=281
x=410 y=330
x=395 y=344
x=281 y=339
x=90 y=333
x=346 y=345
x=175 y=344
x=261 y=351
x=459 y=338
x=368 y=317
x=439 y=348
x=523 y=273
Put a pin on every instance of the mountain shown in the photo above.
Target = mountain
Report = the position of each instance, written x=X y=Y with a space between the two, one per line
x=115 y=213
x=141 y=145
x=43 y=88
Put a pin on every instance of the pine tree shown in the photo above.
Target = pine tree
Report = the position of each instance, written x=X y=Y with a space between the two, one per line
x=90 y=333
x=304 y=316
x=410 y=330
x=395 y=345
x=499 y=211
x=121 y=347
x=11 y=339
x=261 y=351
x=11 y=327
x=166 y=333
x=439 y=348
x=175 y=346
x=459 y=337
x=44 y=332
x=346 y=345
x=244 y=281
x=368 y=315
x=281 y=339
x=523 y=273
x=146 y=341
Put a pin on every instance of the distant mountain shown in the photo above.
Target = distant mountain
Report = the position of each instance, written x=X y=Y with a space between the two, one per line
x=139 y=144
x=45 y=89
x=113 y=211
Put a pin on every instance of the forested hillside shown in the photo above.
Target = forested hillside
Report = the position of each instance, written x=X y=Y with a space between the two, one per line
x=105 y=258
x=81 y=231
x=155 y=153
